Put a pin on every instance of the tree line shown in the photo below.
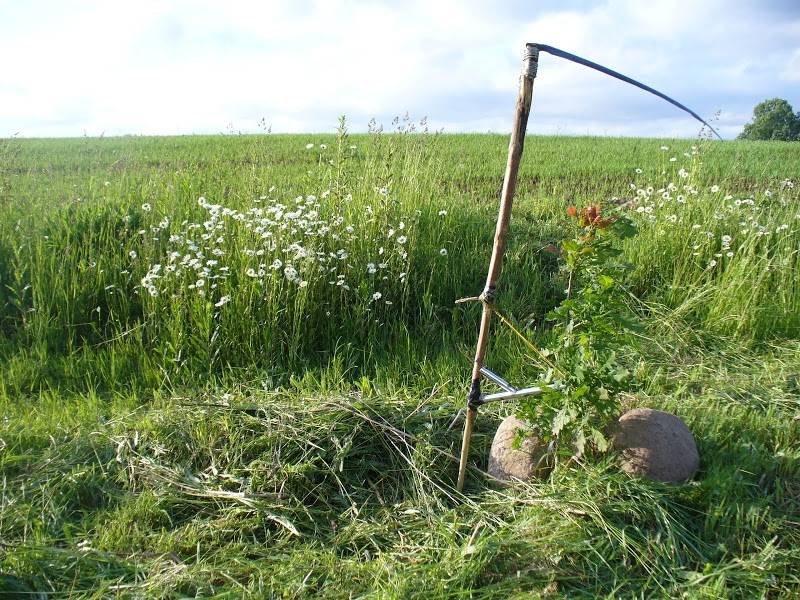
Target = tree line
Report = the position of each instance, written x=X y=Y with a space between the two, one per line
x=773 y=119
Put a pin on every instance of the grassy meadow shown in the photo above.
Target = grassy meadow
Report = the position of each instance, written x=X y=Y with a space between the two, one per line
x=230 y=367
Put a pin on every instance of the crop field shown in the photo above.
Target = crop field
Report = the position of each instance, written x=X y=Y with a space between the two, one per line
x=231 y=366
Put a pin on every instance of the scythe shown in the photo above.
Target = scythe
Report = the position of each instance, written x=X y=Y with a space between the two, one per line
x=475 y=397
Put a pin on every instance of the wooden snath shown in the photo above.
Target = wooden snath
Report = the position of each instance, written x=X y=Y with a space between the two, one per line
x=515 y=147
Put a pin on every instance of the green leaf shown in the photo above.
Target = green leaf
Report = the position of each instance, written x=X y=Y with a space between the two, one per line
x=599 y=440
x=569 y=246
x=621 y=374
x=605 y=281
x=561 y=420
x=580 y=443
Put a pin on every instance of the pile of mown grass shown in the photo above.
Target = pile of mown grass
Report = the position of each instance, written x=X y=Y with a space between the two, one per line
x=351 y=492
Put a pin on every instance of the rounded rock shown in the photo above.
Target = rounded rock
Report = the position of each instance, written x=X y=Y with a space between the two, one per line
x=656 y=445
x=508 y=463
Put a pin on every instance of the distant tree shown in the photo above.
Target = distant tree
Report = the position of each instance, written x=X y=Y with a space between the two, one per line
x=773 y=119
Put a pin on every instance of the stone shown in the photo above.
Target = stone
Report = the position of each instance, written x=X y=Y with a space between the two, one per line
x=656 y=445
x=529 y=461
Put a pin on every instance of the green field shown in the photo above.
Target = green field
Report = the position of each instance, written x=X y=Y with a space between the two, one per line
x=229 y=366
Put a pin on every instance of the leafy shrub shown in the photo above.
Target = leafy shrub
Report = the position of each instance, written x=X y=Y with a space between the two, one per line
x=583 y=372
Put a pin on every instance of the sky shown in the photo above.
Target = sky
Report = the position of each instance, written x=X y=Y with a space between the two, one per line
x=116 y=67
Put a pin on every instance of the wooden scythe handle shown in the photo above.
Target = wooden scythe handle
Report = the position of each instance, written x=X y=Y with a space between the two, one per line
x=515 y=147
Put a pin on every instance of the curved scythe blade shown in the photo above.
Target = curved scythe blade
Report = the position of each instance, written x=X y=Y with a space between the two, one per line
x=593 y=65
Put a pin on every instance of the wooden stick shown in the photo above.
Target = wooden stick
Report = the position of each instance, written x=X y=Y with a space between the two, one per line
x=515 y=147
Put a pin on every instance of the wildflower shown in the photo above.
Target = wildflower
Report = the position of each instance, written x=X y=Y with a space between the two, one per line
x=146 y=207
x=309 y=146
x=713 y=263
x=303 y=284
x=664 y=148
x=729 y=254
x=222 y=301
x=673 y=159
x=442 y=213
x=714 y=189
x=443 y=252
x=132 y=254
x=401 y=240
x=377 y=296
x=323 y=146
x=371 y=268
x=638 y=171
x=767 y=193
x=383 y=191
x=200 y=283
x=683 y=173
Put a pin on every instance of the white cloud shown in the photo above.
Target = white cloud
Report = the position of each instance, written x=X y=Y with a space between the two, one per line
x=182 y=67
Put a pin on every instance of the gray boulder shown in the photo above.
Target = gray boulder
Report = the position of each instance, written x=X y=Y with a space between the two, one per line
x=527 y=462
x=656 y=445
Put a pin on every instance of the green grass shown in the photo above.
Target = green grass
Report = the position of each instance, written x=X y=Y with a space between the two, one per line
x=296 y=440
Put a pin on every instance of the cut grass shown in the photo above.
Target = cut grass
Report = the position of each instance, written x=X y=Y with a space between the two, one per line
x=351 y=492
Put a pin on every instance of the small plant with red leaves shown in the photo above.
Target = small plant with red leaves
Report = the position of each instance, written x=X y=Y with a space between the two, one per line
x=590 y=327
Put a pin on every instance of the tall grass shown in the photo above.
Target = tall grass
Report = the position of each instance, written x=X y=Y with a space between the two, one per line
x=722 y=256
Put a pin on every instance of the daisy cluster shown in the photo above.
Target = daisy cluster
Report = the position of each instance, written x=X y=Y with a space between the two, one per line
x=294 y=244
x=734 y=219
